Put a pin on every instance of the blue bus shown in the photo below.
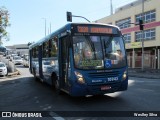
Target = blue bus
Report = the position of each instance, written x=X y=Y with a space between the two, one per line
x=81 y=59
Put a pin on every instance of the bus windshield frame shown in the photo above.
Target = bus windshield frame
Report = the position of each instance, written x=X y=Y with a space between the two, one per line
x=98 y=51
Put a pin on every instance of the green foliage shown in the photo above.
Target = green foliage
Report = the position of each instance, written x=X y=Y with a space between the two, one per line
x=4 y=23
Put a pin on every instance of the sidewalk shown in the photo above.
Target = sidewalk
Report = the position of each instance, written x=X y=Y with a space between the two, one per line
x=14 y=73
x=147 y=73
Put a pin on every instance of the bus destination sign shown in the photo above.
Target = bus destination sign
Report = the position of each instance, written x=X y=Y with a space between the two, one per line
x=86 y=29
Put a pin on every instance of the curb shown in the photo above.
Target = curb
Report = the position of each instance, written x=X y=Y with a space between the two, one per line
x=144 y=76
x=14 y=73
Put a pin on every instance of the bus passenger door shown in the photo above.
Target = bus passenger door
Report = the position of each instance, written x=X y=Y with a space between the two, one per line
x=64 y=61
x=40 y=62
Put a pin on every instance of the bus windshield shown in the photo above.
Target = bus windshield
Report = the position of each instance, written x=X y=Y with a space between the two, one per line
x=99 y=52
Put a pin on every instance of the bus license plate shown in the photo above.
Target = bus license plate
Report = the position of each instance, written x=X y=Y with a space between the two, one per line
x=105 y=87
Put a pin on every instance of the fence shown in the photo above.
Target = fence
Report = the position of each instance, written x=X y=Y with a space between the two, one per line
x=149 y=61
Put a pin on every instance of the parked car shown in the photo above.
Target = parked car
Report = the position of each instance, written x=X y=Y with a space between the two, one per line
x=46 y=65
x=12 y=55
x=8 y=56
x=17 y=60
x=3 y=69
x=26 y=60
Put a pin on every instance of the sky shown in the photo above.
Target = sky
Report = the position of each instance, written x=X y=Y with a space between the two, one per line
x=27 y=17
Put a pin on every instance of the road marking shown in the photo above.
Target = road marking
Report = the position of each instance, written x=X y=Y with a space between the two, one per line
x=56 y=116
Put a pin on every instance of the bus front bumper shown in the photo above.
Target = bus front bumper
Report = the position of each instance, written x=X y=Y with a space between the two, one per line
x=82 y=90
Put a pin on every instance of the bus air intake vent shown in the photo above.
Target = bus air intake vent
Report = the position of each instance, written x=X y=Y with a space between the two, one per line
x=104 y=74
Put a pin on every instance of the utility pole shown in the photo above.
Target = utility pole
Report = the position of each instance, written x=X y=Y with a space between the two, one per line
x=142 y=36
x=111 y=7
x=50 y=28
x=45 y=26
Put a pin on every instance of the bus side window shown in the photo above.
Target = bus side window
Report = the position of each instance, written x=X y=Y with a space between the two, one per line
x=50 y=47
x=54 y=48
x=45 y=49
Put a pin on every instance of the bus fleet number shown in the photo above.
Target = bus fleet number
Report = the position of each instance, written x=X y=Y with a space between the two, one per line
x=112 y=79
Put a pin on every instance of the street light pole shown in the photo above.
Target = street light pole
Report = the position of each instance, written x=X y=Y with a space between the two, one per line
x=111 y=7
x=50 y=27
x=142 y=36
x=44 y=26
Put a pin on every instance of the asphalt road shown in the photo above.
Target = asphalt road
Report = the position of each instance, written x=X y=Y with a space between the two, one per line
x=22 y=93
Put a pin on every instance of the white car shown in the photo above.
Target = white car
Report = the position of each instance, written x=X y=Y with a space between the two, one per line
x=12 y=55
x=26 y=60
x=3 y=69
x=17 y=60
x=46 y=65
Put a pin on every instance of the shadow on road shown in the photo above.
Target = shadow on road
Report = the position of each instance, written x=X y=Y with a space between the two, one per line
x=33 y=95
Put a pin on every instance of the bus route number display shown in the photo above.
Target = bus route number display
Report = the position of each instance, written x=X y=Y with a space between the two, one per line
x=89 y=63
x=85 y=29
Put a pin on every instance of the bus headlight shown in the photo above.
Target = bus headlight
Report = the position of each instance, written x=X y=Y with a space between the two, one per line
x=80 y=78
x=124 y=75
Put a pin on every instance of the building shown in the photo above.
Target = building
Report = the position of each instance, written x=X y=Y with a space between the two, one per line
x=20 y=49
x=126 y=17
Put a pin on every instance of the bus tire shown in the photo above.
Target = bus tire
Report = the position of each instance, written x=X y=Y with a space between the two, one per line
x=34 y=74
x=55 y=83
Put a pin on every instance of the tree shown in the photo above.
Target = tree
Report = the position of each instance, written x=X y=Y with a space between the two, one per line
x=4 y=23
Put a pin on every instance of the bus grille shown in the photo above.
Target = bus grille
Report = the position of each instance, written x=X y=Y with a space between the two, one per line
x=104 y=74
